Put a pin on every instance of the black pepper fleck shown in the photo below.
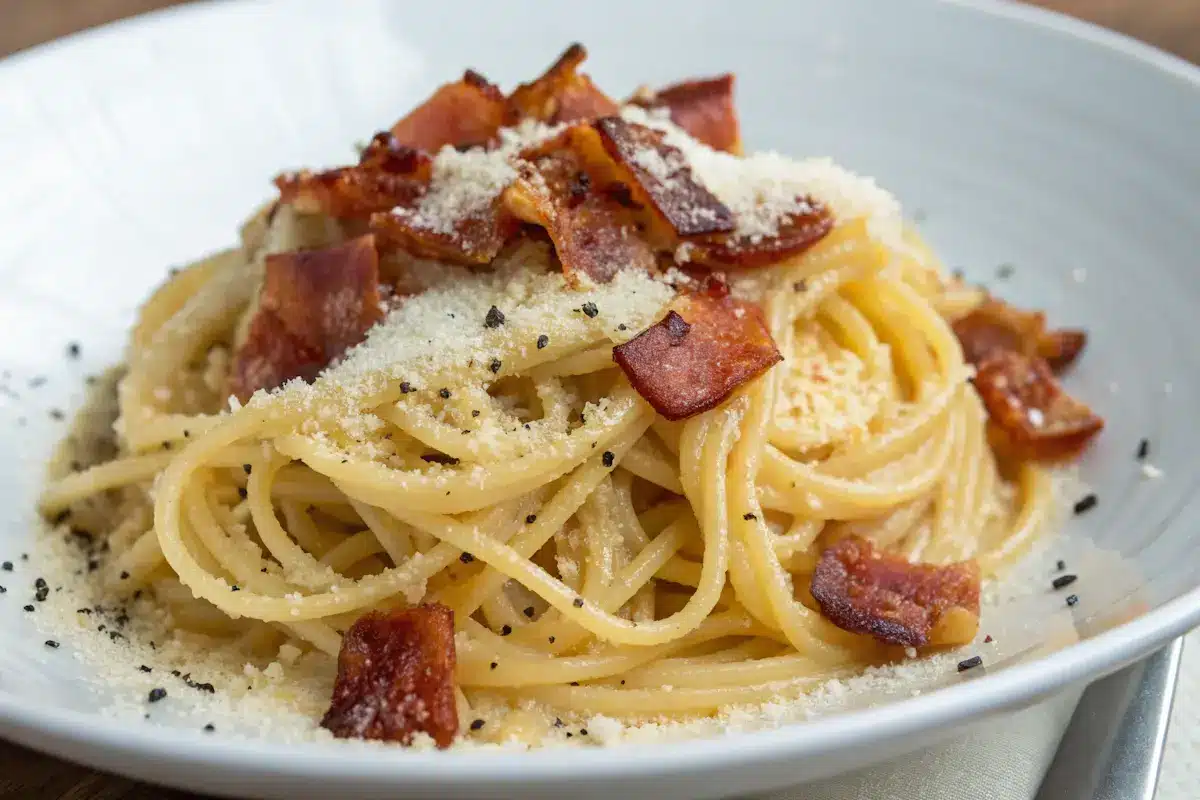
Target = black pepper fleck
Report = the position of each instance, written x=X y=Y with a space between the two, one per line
x=209 y=728
x=542 y=341
x=466 y=558
x=444 y=394
x=622 y=327
x=1063 y=581
x=476 y=724
x=528 y=611
x=494 y=366
x=1004 y=271
x=6 y=566
x=973 y=661
x=242 y=492
x=29 y=607
x=494 y=318
x=1061 y=565
x=1072 y=599
x=124 y=575
x=57 y=415
x=506 y=630
x=1086 y=503
x=530 y=519
x=51 y=644
x=590 y=310
x=144 y=668
x=475 y=412
x=607 y=458
x=748 y=516
x=800 y=286
x=493 y=665
x=550 y=639
x=405 y=387
x=246 y=468
x=156 y=695
x=235 y=588
x=1143 y=449
x=577 y=602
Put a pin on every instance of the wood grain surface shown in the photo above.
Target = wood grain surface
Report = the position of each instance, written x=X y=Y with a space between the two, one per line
x=1173 y=25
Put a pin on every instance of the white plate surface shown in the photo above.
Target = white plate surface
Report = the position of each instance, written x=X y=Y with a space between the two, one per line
x=1023 y=137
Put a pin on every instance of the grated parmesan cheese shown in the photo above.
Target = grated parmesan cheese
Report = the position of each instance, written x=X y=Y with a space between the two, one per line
x=762 y=188
x=466 y=183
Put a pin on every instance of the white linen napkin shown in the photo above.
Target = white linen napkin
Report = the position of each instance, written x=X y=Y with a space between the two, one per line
x=1002 y=759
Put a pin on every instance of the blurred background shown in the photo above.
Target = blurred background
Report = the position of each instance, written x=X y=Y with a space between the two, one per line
x=1173 y=25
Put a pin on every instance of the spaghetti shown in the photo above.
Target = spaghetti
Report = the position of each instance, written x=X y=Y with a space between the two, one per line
x=481 y=450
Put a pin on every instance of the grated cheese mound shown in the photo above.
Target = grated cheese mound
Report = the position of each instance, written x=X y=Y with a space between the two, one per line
x=443 y=328
x=762 y=188
x=466 y=183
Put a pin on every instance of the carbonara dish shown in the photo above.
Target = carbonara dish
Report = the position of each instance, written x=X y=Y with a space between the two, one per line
x=556 y=404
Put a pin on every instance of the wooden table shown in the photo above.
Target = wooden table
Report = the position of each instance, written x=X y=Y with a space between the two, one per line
x=1173 y=25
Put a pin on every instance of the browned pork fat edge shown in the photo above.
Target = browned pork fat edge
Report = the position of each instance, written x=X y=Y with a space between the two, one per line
x=395 y=677
x=698 y=354
x=882 y=595
x=313 y=306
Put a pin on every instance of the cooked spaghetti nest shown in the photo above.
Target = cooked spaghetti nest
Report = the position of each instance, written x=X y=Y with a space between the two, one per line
x=597 y=557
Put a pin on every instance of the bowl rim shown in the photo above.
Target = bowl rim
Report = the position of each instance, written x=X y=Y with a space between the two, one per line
x=83 y=735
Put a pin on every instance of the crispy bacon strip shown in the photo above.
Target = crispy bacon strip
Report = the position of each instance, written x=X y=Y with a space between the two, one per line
x=995 y=327
x=696 y=356
x=796 y=233
x=465 y=113
x=561 y=94
x=396 y=677
x=1061 y=348
x=389 y=174
x=704 y=108
x=314 y=304
x=864 y=591
x=660 y=179
x=1032 y=417
x=473 y=239
x=590 y=222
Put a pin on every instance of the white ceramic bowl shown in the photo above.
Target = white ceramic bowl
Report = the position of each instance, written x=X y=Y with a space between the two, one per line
x=1024 y=137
